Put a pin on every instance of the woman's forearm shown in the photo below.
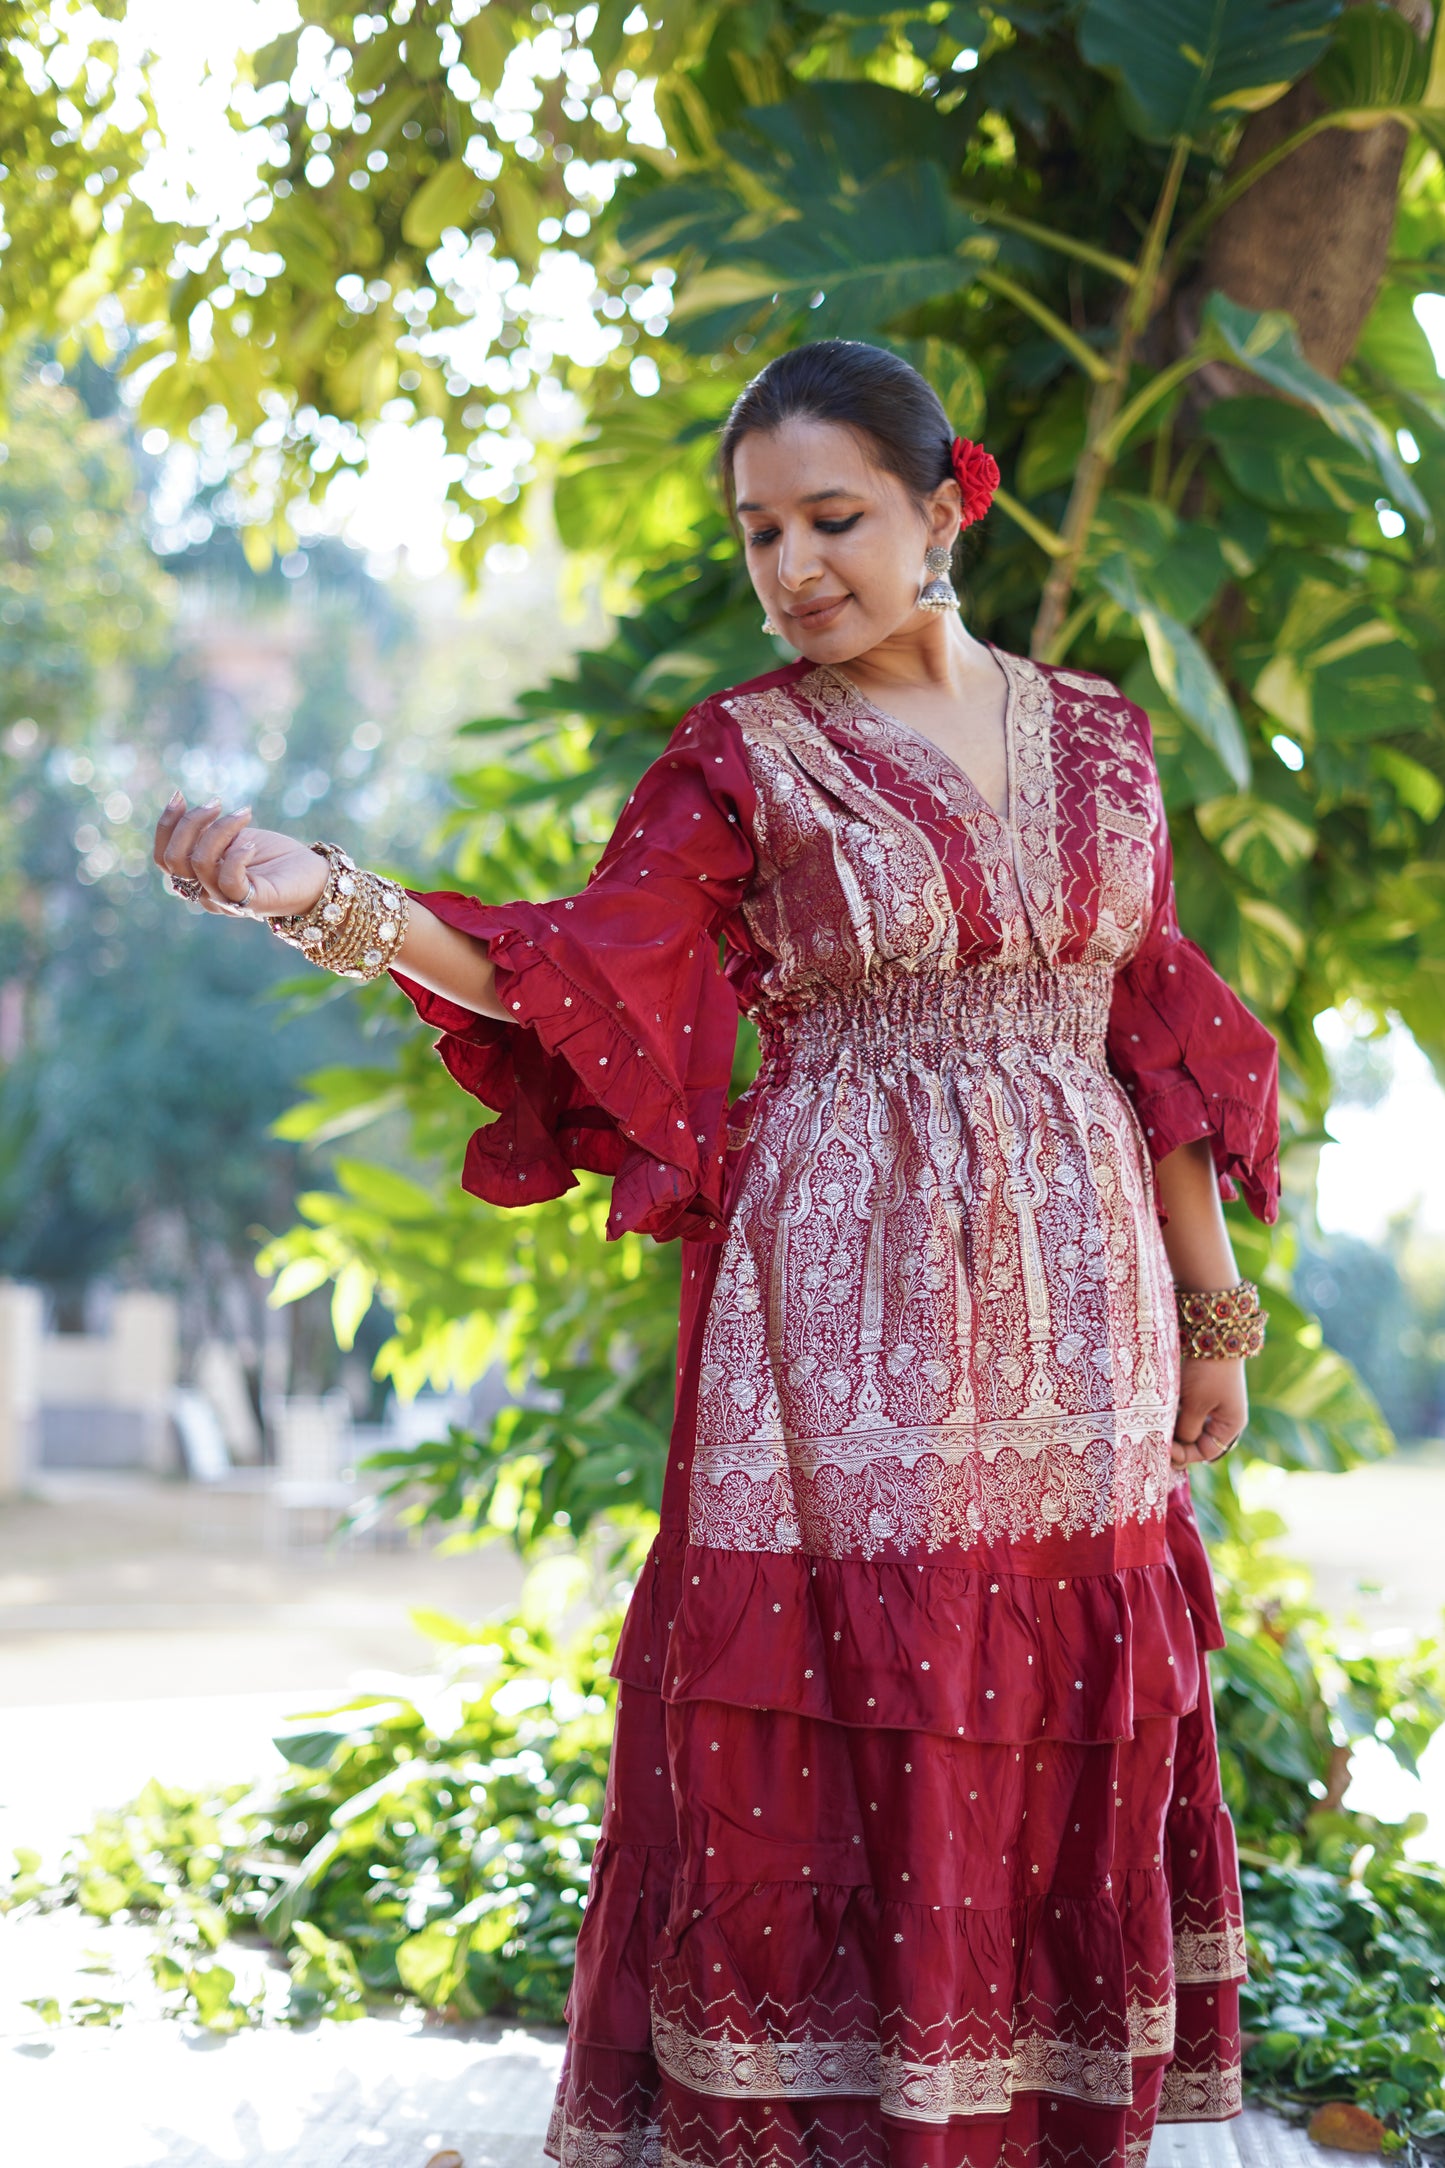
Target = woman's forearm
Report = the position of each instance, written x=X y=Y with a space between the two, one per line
x=449 y=963
x=1196 y=1239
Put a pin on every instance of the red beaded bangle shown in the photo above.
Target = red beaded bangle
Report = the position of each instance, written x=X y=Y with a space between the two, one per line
x=1221 y=1326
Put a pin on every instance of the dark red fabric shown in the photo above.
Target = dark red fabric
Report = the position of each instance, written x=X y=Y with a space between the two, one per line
x=914 y=1854
x=1193 y=1060
x=620 y=1058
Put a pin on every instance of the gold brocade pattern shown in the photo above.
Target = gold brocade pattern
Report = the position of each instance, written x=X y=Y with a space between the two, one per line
x=943 y=1313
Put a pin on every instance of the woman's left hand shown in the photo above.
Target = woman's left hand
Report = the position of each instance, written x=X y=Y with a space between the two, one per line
x=1213 y=1409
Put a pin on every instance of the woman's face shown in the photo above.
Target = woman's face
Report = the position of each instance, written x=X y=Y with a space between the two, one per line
x=834 y=543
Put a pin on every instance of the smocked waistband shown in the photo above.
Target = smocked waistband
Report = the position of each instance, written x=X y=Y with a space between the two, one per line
x=980 y=1009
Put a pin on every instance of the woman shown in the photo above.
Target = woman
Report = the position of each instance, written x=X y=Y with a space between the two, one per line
x=913 y=1851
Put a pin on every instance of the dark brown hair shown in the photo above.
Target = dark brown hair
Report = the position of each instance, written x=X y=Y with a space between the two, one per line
x=878 y=395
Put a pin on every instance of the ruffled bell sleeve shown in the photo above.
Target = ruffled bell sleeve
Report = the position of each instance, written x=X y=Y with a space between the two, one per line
x=1192 y=1058
x=620 y=1054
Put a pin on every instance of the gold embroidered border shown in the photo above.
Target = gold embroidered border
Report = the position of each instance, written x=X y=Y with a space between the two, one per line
x=1139 y=1425
x=957 y=2085
x=1201 y=2096
x=1205 y=1956
x=1033 y=809
x=1151 y=2027
x=928 y=1501
x=773 y=717
x=582 y=2145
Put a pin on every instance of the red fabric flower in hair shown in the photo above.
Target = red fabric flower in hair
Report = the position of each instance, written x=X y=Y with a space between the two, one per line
x=977 y=474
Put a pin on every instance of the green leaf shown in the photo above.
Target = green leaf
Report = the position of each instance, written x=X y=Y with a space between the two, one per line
x=211 y=1988
x=1180 y=565
x=605 y=42
x=954 y=375
x=1055 y=440
x=1263 y=839
x=1267 y=344
x=852 y=265
x=1374 y=60
x=1288 y=459
x=1187 y=676
x=1189 y=770
x=350 y=1300
x=422 y=48
x=276 y=62
x=1393 y=348
x=1340 y=670
x=384 y=1189
x=437 y=1626
x=451 y=197
x=486 y=44
x=431 y=1963
x=1183 y=64
x=310 y=1749
x=301 y=1277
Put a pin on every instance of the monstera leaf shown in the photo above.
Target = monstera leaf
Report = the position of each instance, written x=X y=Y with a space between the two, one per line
x=1376 y=62
x=852 y=264
x=1282 y=457
x=1184 y=671
x=1394 y=352
x=1267 y=344
x=1339 y=670
x=1180 y=563
x=1184 y=64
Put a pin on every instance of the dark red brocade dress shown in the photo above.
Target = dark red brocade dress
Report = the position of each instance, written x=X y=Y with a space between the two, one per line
x=913 y=1854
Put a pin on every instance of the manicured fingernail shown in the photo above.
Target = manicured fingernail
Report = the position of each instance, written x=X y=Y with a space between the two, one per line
x=242 y=813
x=212 y=805
x=173 y=801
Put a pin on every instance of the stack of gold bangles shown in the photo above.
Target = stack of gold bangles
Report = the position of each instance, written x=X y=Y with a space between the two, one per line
x=356 y=924
x=1222 y=1326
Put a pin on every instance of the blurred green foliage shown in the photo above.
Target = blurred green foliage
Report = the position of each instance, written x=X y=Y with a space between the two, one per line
x=433 y=1848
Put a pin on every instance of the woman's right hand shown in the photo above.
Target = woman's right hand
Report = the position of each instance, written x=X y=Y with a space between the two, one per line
x=243 y=871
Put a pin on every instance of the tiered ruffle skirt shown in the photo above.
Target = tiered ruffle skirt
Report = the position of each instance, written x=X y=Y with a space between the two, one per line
x=907 y=1866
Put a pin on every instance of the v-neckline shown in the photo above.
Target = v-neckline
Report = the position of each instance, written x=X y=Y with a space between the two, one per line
x=1005 y=819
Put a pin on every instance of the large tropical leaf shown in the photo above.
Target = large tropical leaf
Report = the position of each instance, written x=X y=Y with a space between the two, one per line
x=1189 y=679
x=1180 y=564
x=842 y=135
x=1392 y=350
x=1267 y=344
x=852 y=265
x=1290 y=460
x=1339 y=670
x=1308 y=1407
x=1189 y=770
x=1184 y=63
x=639 y=480
x=1375 y=61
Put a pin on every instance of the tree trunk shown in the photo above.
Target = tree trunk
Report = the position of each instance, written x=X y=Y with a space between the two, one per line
x=1313 y=235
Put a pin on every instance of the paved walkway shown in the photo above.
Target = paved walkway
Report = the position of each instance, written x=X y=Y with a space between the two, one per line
x=374 y=2094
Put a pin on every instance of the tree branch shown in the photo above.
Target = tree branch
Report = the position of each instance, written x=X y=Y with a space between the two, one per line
x=1064 y=244
x=1037 y=530
x=1097 y=456
x=1093 y=365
